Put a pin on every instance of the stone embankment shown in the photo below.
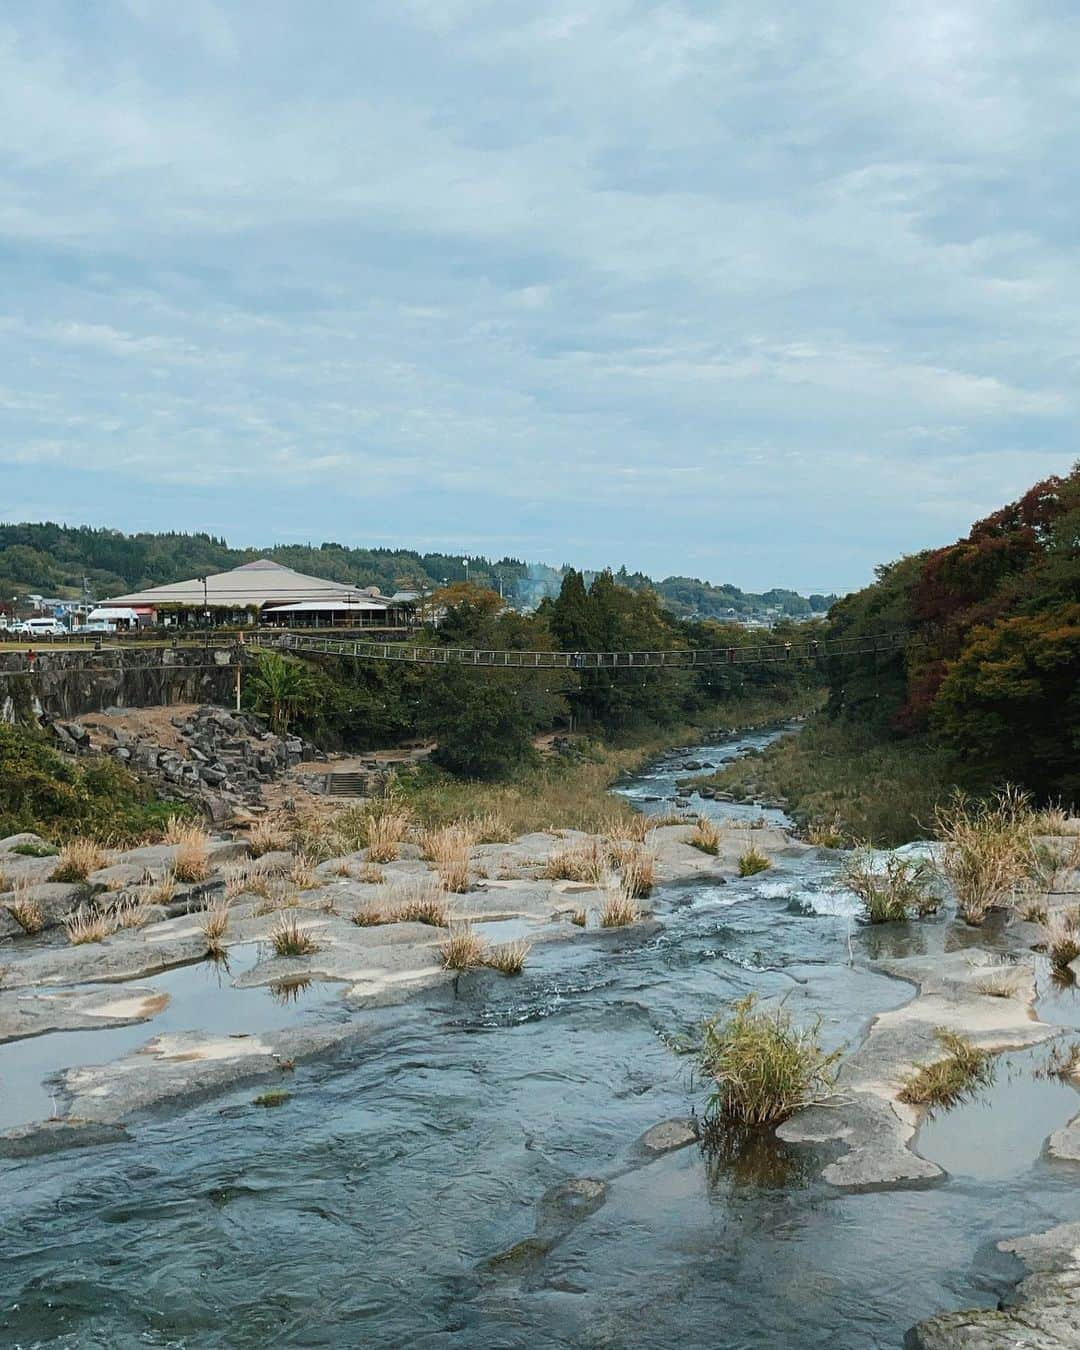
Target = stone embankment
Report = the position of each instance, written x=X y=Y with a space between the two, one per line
x=67 y=683
x=204 y=754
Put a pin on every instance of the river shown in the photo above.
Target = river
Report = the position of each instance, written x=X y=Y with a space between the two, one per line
x=371 y=1208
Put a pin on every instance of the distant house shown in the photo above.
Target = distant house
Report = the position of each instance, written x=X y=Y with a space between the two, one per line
x=265 y=592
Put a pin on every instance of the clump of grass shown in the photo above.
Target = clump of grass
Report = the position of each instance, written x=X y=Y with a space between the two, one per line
x=129 y=913
x=580 y=918
x=385 y=831
x=33 y=850
x=1063 y=1061
x=274 y=1097
x=162 y=891
x=826 y=834
x=1005 y=982
x=1061 y=938
x=24 y=909
x=752 y=861
x=267 y=836
x=215 y=925
x=1055 y=819
x=78 y=859
x=448 y=851
x=638 y=872
x=763 y=1065
x=1052 y=858
x=290 y=939
x=371 y=875
x=619 y=909
x=632 y=829
x=87 y=925
x=371 y=916
x=986 y=852
x=490 y=828
x=586 y=861
x=463 y=949
x=314 y=839
x=509 y=959
x=963 y=1069
x=191 y=858
x=705 y=836
x=891 y=889
x=423 y=903
x=302 y=874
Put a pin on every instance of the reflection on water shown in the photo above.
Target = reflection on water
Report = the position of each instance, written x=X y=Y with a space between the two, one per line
x=742 y=1155
x=361 y=1215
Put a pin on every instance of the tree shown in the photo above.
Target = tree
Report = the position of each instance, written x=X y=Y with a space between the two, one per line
x=1010 y=706
x=483 y=725
x=278 y=687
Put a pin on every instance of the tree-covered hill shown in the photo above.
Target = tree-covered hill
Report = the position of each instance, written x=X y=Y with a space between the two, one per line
x=54 y=559
x=994 y=678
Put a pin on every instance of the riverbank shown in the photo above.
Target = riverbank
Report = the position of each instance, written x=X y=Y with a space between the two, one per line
x=841 y=785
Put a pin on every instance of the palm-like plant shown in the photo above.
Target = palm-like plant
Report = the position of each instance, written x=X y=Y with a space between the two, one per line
x=278 y=688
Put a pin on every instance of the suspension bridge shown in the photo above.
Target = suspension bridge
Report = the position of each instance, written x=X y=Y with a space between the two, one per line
x=773 y=653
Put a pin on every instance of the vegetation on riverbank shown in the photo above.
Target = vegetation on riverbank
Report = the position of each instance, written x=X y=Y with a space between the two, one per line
x=842 y=784
x=61 y=798
x=763 y=1065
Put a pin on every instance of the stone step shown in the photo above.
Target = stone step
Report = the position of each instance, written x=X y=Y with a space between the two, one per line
x=345 y=785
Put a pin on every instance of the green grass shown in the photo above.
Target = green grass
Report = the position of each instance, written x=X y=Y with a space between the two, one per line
x=840 y=780
x=751 y=862
x=891 y=889
x=955 y=1077
x=275 y=1097
x=35 y=850
x=573 y=792
x=763 y=1066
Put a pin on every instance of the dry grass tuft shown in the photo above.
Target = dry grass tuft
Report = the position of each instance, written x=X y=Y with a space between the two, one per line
x=1054 y=819
x=763 y=1066
x=130 y=913
x=78 y=859
x=463 y=949
x=448 y=851
x=619 y=909
x=215 y=925
x=87 y=925
x=752 y=861
x=290 y=939
x=987 y=851
x=24 y=909
x=371 y=875
x=706 y=836
x=580 y=918
x=162 y=891
x=827 y=834
x=302 y=874
x=890 y=888
x=385 y=831
x=509 y=959
x=267 y=836
x=1061 y=937
x=633 y=829
x=962 y=1071
x=638 y=872
x=371 y=916
x=587 y=861
x=191 y=859
x=423 y=902
x=1006 y=981
x=490 y=828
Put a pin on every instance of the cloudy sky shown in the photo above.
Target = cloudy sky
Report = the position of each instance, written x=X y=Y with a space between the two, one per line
x=755 y=291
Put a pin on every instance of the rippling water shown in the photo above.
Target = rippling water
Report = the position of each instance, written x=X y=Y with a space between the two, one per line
x=368 y=1208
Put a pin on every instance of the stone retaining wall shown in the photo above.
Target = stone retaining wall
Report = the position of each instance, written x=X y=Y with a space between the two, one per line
x=67 y=684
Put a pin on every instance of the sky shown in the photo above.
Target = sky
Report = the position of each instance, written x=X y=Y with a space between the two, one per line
x=757 y=292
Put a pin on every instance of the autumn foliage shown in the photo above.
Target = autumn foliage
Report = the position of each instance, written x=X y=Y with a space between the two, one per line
x=995 y=673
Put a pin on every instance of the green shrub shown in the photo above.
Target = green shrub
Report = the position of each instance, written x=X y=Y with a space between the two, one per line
x=763 y=1066
x=893 y=889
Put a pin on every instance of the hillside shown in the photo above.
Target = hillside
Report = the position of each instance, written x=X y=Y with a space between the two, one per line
x=55 y=559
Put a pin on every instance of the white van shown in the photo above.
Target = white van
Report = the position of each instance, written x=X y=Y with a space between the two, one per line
x=43 y=628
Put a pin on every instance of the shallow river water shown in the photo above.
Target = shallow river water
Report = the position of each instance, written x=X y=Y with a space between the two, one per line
x=370 y=1209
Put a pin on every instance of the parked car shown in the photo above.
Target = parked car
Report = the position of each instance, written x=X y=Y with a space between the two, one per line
x=40 y=628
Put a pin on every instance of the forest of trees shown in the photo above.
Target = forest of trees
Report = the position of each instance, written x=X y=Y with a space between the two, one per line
x=485 y=720
x=55 y=559
x=994 y=676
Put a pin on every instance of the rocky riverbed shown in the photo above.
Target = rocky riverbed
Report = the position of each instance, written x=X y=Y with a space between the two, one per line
x=517 y=1155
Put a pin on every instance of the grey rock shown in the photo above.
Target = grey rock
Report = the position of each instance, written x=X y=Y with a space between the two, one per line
x=666 y=1137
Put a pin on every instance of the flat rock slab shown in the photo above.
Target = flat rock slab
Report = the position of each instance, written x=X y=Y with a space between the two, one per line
x=40 y=1011
x=1042 y=1314
x=866 y=1117
x=666 y=1137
